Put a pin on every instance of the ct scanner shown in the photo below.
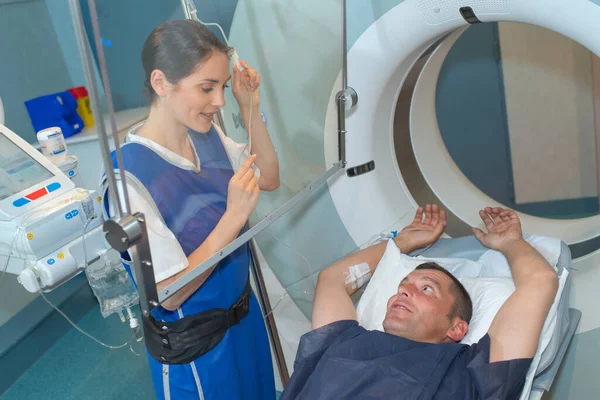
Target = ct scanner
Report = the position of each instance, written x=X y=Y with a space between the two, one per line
x=416 y=26
x=295 y=46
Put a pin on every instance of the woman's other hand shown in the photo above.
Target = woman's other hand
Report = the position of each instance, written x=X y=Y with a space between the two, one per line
x=243 y=191
x=245 y=84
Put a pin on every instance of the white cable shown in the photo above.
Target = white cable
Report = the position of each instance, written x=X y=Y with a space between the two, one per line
x=383 y=236
x=248 y=131
x=250 y=125
x=39 y=279
x=310 y=269
x=195 y=16
x=236 y=61
x=287 y=288
x=133 y=351
x=281 y=299
x=85 y=263
x=134 y=325
x=234 y=55
x=81 y=330
x=85 y=259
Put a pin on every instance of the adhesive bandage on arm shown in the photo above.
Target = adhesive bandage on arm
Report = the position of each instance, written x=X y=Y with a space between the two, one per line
x=358 y=275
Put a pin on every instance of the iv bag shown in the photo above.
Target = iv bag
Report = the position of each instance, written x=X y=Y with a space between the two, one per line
x=111 y=284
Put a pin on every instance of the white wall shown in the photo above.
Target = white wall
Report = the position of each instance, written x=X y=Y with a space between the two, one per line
x=31 y=62
x=61 y=16
x=550 y=112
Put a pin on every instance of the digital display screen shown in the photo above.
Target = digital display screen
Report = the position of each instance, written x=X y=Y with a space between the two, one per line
x=18 y=170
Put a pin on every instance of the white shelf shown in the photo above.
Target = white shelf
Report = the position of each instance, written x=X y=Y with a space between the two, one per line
x=124 y=120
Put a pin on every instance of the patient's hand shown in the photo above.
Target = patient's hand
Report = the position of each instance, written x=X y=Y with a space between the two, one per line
x=423 y=231
x=503 y=225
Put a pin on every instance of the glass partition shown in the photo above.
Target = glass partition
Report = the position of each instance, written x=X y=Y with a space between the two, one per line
x=296 y=47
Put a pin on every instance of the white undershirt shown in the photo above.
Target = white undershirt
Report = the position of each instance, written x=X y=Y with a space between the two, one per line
x=168 y=257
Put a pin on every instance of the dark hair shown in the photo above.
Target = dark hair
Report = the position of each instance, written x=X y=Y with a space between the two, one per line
x=463 y=306
x=176 y=48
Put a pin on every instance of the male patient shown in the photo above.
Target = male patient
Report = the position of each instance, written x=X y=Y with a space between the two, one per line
x=419 y=355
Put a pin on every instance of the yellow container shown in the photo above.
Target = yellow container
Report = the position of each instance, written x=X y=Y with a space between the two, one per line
x=84 y=108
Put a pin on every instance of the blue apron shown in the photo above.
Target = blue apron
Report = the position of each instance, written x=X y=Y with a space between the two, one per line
x=191 y=205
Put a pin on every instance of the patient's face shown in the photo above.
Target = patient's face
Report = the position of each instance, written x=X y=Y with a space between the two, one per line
x=420 y=309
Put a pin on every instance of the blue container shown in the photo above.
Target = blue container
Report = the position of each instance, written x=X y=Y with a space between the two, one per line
x=58 y=109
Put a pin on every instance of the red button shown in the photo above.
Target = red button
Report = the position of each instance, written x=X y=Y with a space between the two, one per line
x=37 y=194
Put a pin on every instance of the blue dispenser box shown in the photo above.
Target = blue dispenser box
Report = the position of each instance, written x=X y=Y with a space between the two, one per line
x=58 y=109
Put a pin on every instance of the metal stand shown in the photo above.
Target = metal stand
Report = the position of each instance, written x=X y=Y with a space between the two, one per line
x=263 y=298
x=126 y=230
x=347 y=97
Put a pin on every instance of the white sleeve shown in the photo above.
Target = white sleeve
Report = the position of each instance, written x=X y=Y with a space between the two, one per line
x=238 y=152
x=168 y=257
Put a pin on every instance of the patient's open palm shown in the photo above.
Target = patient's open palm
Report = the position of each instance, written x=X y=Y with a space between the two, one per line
x=503 y=226
x=425 y=230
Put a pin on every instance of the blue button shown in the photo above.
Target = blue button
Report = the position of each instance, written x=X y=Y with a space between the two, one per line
x=20 y=202
x=51 y=261
x=68 y=216
x=71 y=173
x=53 y=186
x=75 y=213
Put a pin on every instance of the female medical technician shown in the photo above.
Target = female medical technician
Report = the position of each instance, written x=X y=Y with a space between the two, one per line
x=197 y=189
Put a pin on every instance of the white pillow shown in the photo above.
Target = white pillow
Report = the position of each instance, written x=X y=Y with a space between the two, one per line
x=487 y=295
x=495 y=264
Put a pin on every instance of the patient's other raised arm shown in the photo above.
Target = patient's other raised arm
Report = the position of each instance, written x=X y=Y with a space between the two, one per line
x=515 y=331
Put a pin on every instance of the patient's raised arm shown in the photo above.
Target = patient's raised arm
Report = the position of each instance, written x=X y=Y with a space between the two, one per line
x=514 y=332
x=342 y=279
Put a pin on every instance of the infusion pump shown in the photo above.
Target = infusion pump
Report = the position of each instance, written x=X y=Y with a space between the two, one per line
x=49 y=229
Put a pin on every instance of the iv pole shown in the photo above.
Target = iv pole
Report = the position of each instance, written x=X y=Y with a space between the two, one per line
x=125 y=230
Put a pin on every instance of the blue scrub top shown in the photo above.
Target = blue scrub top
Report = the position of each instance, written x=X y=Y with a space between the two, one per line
x=343 y=360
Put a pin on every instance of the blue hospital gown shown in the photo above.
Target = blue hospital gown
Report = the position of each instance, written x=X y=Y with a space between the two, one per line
x=343 y=360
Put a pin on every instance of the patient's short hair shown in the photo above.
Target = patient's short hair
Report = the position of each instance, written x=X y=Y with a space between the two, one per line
x=463 y=306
